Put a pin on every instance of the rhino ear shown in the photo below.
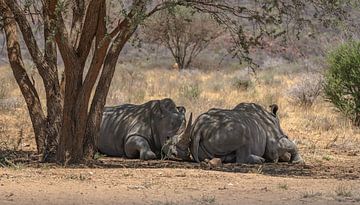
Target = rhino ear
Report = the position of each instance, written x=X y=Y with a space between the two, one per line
x=274 y=108
x=181 y=109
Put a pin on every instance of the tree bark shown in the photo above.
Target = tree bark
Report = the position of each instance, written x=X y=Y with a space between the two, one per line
x=54 y=98
x=125 y=30
x=102 y=89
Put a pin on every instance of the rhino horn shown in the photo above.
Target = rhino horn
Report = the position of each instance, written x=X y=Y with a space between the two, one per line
x=185 y=136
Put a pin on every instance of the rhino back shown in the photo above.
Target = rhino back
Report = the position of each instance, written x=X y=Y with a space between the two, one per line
x=268 y=121
x=219 y=133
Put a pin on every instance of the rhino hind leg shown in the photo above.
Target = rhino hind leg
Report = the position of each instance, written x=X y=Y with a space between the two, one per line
x=138 y=147
x=243 y=156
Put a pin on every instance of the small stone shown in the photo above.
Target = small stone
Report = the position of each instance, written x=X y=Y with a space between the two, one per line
x=215 y=162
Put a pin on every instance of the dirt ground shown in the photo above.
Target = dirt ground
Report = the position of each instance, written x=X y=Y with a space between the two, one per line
x=120 y=181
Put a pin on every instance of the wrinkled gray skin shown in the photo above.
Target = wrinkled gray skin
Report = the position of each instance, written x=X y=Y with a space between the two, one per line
x=139 y=131
x=246 y=134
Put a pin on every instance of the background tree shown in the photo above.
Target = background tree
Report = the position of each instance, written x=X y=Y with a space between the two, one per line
x=342 y=80
x=183 y=32
x=90 y=34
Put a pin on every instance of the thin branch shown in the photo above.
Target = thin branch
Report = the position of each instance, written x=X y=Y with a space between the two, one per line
x=88 y=31
x=29 y=38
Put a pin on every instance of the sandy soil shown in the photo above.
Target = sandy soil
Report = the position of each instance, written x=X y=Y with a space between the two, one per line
x=119 y=181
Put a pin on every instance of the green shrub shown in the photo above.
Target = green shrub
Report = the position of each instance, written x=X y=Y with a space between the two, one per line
x=342 y=80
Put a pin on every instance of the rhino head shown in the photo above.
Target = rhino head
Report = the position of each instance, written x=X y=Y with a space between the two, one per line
x=177 y=147
x=288 y=151
x=285 y=149
x=168 y=120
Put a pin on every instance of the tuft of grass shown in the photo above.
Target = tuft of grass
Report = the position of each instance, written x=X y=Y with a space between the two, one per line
x=81 y=177
x=327 y=157
x=164 y=203
x=283 y=186
x=127 y=174
x=98 y=155
x=6 y=163
x=310 y=194
x=343 y=191
x=242 y=83
x=207 y=199
x=191 y=91
x=3 y=91
x=267 y=77
x=270 y=98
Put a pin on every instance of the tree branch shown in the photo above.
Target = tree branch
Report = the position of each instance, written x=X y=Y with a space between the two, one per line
x=92 y=19
x=29 y=38
x=77 y=21
x=49 y=35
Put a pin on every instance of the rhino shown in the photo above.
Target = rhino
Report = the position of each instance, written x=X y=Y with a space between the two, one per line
x=246 y=134
x=140 y=131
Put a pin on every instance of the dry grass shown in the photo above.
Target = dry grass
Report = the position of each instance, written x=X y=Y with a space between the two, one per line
x=315 y=129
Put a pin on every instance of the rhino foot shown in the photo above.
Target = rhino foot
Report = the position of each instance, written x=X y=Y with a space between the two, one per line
x=147 y=155
x=251 y=159
x=298 y=160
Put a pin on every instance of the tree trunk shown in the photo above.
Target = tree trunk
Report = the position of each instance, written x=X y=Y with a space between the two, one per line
x=54 y=99
x=26 y=87
x=102 y=89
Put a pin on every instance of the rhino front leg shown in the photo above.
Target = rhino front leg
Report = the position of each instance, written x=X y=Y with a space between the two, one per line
x=137 y=146
x=244 y=156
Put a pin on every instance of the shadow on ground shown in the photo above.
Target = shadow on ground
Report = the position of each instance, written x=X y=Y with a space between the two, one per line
x=9 y=158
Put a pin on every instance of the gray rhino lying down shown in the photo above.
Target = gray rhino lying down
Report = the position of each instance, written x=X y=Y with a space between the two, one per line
x=139 y=131
x=246 y=134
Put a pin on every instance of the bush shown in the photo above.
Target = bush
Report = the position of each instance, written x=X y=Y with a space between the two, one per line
x=342 y=80
x=305 y=92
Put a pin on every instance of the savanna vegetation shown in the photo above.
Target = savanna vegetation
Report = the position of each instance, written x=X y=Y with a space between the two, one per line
x=90 y=36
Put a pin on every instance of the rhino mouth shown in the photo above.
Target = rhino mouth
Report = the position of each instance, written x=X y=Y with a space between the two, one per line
x=172 y=151
x=177 y=147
